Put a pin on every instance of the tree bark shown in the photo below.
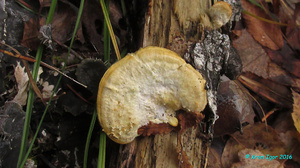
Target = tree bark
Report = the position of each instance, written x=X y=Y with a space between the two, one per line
x=174 y=25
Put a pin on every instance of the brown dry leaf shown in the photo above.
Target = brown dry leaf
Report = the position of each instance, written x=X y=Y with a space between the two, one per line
x=214 y=159
x=296 y=110
x=252 y=54
x=289 y=135
x=256 y=60
x=292 y=30
x=234 y=105
x=268 y=35
x=62 y=26
x=30 y=34
x=287 y=59
x=249 y=163
x=92 y=20
x=63 y=22
x=258 y=137
x=267 y=89
x=230 y=153
x=286 y=10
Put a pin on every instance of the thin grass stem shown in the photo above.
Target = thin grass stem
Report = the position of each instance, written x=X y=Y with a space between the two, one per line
x=111 y=32
x=88 y=139
x=31 y=92
x=106 y=39
x=102 y=150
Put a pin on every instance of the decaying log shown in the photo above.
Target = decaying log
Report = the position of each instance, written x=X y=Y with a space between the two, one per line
x=174 y=25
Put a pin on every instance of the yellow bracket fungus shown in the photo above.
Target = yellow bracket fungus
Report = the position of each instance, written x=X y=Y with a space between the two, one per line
x=148 y=86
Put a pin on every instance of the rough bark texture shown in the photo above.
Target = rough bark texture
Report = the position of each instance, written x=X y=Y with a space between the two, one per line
x=168 y=24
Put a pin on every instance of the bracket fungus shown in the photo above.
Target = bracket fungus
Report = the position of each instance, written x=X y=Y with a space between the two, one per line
x=147 y=87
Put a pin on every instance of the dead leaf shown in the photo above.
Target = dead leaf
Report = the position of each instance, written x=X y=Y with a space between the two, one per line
x=268 y=35
x=62 y=26
x=292 y=30
x=234 y=105
x=47 y=89
x=93 y=19
x=214 y=159
x=287 y=59
x=296 y=110
x=256 y=60
x=22 y=81
x=286 y=9
x=63 y=22
x=249 y=163
x=257 y=137
x=288 y=134
x=252 y=54
x=32 y=82
x=30 y=34
x=267 y=89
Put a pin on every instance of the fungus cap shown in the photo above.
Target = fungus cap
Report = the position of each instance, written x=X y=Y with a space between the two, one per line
x=147 y=86
x=220 y=13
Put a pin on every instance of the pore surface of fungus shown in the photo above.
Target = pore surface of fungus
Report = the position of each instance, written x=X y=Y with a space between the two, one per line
x=148 y=86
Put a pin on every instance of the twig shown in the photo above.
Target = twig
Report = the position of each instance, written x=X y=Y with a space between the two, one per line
x=18 y=55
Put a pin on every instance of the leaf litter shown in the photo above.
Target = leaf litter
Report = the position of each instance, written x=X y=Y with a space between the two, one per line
x=22 y=81
x=268 y=35
x=271 y=74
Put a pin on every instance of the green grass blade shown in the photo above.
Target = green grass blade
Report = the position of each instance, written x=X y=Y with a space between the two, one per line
x=106 y=32
x=256 y=3
x=40 y=123
x=102 y=149
x=88 y=139
x=51 y=11
x=124 y=52
x=27 y=8
x=123 y=7
x=31 y=92
x=29 y=107
x=22 y=159
x=76 y=25
x=111 y=32
x=263 y=19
